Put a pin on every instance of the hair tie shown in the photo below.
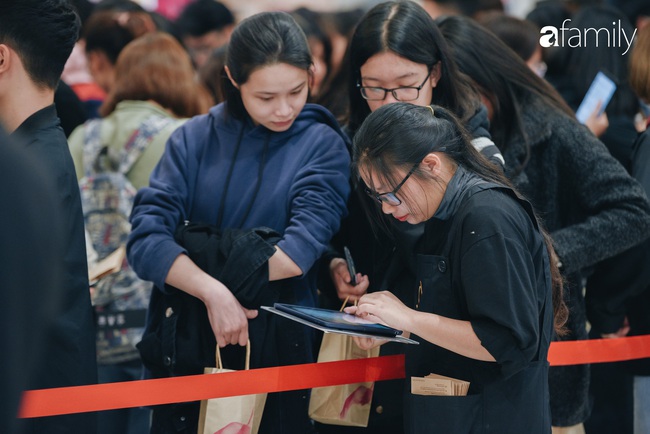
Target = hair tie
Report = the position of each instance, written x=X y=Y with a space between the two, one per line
x=432 y=112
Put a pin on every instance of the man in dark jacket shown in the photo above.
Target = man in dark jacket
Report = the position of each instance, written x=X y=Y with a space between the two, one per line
x=30 y=258
x=36 y=38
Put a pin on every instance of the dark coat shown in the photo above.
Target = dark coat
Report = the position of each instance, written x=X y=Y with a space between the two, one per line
x=70 y=341
x=620 y=287
x=30 y=258
x=593 y=210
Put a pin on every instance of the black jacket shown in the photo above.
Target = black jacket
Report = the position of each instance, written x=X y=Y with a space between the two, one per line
x=70 y=342
x=178 y=338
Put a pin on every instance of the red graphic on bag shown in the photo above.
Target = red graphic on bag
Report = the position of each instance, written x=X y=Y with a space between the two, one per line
x=362 y=395
x=237 y=427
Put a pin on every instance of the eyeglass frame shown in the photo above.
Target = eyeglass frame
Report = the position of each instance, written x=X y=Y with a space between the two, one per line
x=383 y=197
x=392 y=91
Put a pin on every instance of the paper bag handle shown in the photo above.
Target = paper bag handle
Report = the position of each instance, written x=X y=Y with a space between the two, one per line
x=346 y=302
x=247 y=365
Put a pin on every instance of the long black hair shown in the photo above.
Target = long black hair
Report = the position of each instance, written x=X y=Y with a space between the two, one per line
x=401 y=135
x=263 y=39
x=406 y=29
x=502 y=77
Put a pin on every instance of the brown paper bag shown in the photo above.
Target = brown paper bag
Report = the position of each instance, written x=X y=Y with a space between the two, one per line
x=347 y=404
x=234 y=414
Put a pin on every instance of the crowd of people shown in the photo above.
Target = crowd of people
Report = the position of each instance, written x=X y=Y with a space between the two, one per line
x=168 y=176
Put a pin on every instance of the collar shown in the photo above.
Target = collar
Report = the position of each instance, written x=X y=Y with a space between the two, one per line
x=43 y=118
x=463 y=184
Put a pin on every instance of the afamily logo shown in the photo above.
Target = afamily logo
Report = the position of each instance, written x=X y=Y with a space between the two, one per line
x=574 y=37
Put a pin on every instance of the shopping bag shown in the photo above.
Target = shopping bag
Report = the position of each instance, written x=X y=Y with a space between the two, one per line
x=347 y=404
x=234 y=414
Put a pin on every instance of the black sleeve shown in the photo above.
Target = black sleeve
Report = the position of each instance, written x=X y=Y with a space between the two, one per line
x=505 y=281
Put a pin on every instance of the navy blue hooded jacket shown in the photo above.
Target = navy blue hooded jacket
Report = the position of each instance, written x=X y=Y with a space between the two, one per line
x=302 y=194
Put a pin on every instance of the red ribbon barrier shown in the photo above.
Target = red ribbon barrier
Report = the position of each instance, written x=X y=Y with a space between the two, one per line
x=599 y=350
x=111 y=396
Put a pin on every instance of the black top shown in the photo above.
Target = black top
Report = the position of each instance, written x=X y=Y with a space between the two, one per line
x=70 y=342
x=30 y=253
x=497 y=265
x=486 y=263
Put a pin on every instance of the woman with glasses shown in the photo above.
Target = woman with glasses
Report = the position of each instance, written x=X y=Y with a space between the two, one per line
x=396 y=54
x=482 y=305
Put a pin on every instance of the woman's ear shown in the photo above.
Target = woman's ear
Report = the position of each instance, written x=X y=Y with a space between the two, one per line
x=234 y=83
x=311 y=73
x=436 y=73
x=432 y=164
x=5 y=58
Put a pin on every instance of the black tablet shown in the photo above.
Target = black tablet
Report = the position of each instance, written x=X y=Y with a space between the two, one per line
x=337 y=320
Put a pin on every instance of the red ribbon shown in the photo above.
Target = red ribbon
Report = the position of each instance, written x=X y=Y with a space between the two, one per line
x=599 y=350
x=110 y=396
x=79 y=399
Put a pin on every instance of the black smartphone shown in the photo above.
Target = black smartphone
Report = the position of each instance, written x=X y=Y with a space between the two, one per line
x=351 y=269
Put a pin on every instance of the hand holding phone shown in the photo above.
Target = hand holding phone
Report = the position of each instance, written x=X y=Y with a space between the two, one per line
x=351 y=268
x=601 y=91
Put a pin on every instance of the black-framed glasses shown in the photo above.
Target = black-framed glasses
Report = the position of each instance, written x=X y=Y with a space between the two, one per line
x=391 y=197
x=403 y=93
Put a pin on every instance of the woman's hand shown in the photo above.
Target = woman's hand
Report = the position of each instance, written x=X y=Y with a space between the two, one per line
x=363 y=342
x=620 y=333
x=453 y=334
x=368 y=343
x=341 y=278
x=383 y=308
x=597 y=123
x=228 y=318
